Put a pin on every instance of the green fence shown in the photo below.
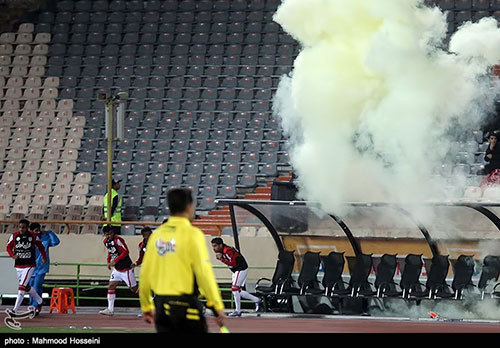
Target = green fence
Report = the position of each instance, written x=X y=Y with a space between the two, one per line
x=79 y=282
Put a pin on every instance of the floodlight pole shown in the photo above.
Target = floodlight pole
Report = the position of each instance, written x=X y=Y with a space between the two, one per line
x=110 y=107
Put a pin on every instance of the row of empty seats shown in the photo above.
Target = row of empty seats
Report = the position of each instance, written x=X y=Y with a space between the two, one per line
x=168 y=6
x=40 y=136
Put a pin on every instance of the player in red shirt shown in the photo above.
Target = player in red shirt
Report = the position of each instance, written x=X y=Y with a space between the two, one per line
x=121 y=264
x=146 y=232
x=238 y=265
x=21 y=247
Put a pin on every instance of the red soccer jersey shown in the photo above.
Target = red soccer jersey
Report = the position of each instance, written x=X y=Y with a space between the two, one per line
x=23 y=245
x=118 y=252
x=234 y=259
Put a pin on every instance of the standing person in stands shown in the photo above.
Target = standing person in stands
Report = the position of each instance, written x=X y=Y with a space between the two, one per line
x=492 y=155
x=146 y=233
x=48 y=239
x=238 y=265
x=116 y=206
x=21 y=247
x=176 y=268
x=121 y=265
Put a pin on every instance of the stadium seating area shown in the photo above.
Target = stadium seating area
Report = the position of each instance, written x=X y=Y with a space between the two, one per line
x=200 y=76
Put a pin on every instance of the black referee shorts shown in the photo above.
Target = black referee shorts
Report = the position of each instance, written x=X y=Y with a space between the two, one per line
x=179 y=314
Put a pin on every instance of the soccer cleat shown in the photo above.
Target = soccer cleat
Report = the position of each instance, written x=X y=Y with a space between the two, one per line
x=106 y=312
x=259 y=306
x=235 y=314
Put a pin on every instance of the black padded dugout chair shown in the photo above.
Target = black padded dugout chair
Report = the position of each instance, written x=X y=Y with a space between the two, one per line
x=308 y=277
x=361 y=267
x=410 y=277
x=463 y=270
x=489 y=274
x=333 y=267
x=385 y=271
x=281 y=282
x=436 y=278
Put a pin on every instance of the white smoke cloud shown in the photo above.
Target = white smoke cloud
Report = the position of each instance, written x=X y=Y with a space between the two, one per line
x=376 y=101
x=370 y=103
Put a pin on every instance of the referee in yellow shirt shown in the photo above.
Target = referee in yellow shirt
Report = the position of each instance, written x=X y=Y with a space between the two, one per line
x=175 y=264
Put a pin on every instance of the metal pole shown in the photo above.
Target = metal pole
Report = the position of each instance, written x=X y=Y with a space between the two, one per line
x=235 y=227
x=109 y=105
x=78 y=285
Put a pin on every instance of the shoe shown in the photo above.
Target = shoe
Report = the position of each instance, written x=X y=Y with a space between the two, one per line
x=10 y=311
x=235 y=314
x=258 y=306
x=38 y=310
x=106 y=312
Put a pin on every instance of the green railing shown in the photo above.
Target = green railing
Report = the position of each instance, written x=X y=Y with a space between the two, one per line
x=78 y=277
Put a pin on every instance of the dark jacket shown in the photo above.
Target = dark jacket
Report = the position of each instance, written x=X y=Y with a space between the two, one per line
x=494 y=162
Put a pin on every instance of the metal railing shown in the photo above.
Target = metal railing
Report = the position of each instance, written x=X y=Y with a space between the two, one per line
x=68 y=223
x=80 y=282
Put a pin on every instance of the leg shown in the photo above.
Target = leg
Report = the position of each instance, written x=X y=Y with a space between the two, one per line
x=112 y=295
x=113 y=284
x=37 y=286
x=235 y=289
x=32 y=284
x=239 y=284
x=131 y=282
x=24 y=276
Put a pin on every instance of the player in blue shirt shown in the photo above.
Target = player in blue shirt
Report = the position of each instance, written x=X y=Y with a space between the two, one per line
x=48 y=239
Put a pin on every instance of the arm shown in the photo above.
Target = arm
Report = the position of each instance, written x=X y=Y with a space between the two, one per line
x=10 y=247
x=229 y=257
x=122 y=249
x=54 y=240
x=114 y=205
x=41 y=248
x=108 y=258
x=141 y=257
x=146 y=301
x=488 y=155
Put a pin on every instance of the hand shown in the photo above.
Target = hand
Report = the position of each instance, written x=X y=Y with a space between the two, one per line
x=109 y=265
x=44 y=261
x=132 y=266
x=220 y=317
x=149 y=317
x=490 y=156
x=218 y=256
x=15 y=257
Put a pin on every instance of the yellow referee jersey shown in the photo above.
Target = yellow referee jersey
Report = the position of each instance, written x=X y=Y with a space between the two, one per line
x=176 y=253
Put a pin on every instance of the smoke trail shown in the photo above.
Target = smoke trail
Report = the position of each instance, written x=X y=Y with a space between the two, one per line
x=374 y=102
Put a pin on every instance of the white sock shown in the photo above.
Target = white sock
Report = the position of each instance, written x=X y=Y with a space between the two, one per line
x=237 y=300
x=248 y=296
x=35 y=295
x=111 y=301
x=19 y=300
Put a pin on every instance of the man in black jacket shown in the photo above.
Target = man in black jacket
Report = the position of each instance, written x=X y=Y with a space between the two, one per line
x=492 y=155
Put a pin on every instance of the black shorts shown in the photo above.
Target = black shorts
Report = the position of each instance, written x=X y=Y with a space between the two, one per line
x=179 y=314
